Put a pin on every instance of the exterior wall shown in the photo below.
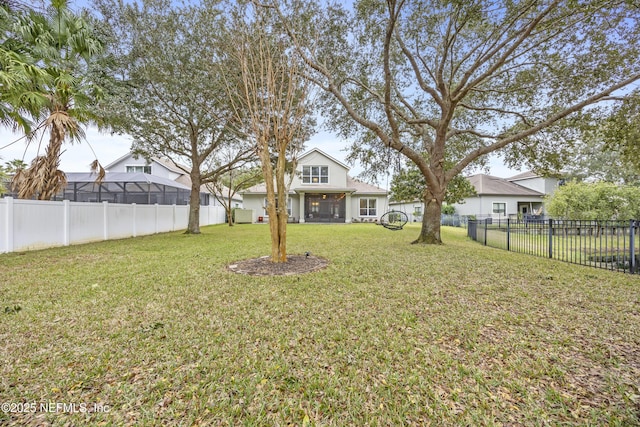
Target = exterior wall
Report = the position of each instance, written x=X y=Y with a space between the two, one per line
x=471 y=206
x=409 y=208
x=381 y=207
x=156 y=168
x=539 y=184
x=483 y=205
x=337 y=172
x=255 y=202
x=36 y=224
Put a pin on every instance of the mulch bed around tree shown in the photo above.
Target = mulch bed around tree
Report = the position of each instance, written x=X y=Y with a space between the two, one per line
x=296 y=264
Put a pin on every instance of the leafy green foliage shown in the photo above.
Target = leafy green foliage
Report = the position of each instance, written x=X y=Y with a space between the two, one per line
x=594 y=201
x=45 y=62
x=622 y=133
x=409 y=184
x=448 y=209
x=170 y=96
x=446 y=83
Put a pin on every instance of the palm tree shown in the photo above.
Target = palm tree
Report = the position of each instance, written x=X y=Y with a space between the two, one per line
x=17 y=74
x=59 y=99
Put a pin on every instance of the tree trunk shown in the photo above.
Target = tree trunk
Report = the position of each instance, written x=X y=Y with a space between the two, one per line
x=281 y=189
x=229 y=215
x=194 y=204
x=430 y=231
x=273 y=225
x=43 y=179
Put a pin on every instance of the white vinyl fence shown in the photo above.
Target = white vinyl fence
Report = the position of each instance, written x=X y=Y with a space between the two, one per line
x=35 y=224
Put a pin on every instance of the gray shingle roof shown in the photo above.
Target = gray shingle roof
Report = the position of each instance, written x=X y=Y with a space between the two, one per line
x=523 y=175
x=487 y=184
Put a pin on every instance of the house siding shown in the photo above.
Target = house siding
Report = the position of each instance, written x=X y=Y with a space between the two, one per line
x=156 y=168
x=338 y=183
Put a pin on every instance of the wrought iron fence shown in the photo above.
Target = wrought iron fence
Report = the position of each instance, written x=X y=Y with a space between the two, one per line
x=612 y=245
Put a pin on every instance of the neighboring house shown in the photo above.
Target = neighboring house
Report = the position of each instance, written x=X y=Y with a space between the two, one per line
x=165 y=168
x=495 y=197
x=322 y=191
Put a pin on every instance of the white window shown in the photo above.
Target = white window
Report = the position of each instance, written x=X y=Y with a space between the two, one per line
x=139 y=168
x=499 y=208
x=367 y=207
x=315 y=174
x=289 y=206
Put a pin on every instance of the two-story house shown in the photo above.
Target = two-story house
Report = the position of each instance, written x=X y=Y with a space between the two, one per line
x=322 y=191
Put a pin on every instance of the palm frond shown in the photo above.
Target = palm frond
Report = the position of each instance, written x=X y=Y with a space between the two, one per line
x=96 y=167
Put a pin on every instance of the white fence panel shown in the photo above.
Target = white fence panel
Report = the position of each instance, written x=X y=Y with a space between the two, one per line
x=165 y=218
x=182 y=217
x=86 y=222
x=38 y=224
x=119 y=221
x=145 y=222
x=212 y=215
x=34 y=224
x=4 y=225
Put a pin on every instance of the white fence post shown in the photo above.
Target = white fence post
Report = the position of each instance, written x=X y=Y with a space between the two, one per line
x=155 y=229
x=105 y=220
x=173 y=225
x=8 y=226
x=133 y=206
x=66 y=219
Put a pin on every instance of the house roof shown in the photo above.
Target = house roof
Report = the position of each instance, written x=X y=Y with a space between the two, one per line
x=183 y=171
x=166 y=163
x=363 y=187
x=487 y=184
x=523 y=175
x=122 y=177
x=173 y=167
x=317 y=150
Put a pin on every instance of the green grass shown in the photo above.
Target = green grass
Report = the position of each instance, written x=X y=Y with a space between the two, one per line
x=389 y=334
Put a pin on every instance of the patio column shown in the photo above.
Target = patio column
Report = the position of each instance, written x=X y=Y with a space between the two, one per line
x=301 y=195
x=347 y=210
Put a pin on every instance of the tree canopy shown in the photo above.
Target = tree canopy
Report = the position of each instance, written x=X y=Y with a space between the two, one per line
x=171 y=96
x=444 y=83
x=46 y=61
x=409 y=184
x=594 y=201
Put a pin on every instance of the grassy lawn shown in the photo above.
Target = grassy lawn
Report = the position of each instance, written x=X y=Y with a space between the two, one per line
x=157 y=331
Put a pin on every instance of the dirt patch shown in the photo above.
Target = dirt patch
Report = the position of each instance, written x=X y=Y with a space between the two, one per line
x=296 y=264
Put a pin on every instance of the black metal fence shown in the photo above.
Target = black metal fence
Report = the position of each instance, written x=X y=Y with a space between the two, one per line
x=612 y=245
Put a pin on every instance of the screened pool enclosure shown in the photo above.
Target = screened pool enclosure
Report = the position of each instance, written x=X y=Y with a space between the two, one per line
x=120 y=187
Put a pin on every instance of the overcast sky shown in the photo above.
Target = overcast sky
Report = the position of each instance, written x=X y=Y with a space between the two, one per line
x=107 y=147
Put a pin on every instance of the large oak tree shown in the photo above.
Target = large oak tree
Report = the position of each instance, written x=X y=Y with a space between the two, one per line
x=171 y=99
x=445 y=82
